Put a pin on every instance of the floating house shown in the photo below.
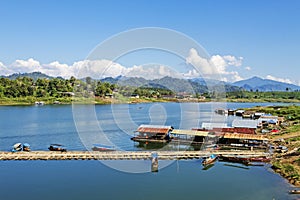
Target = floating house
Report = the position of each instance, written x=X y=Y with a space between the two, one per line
x=193 y=137
x=153 y=133
x=243 y=140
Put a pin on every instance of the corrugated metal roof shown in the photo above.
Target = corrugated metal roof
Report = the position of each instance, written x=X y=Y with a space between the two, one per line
x=244 y=136
x=244 y=123
x=189 y=132
x=210 y=126
x=154 y=129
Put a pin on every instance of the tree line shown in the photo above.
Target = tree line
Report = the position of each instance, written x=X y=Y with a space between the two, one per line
x=58 y=88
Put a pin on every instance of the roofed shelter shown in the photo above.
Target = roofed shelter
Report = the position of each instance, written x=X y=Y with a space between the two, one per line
x=243 y=140
x=190 y=136
x=153 y=133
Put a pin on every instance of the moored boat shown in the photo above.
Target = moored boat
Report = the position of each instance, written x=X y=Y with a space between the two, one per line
x=26 y=147
x=57 y=147
x=17 y=147
x=245 y=159
x=210 y=159
x=101 y=147
x=39 y=103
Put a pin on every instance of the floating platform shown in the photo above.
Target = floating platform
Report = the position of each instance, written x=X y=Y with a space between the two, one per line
x=120 y=155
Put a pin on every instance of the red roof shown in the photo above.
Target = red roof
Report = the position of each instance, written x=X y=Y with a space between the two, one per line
x=154 y=129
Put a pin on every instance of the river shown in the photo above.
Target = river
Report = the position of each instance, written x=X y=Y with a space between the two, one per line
x=78 y=126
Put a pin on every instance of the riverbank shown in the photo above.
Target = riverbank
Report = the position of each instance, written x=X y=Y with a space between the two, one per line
x=23 y=101
x=288 y=164
x=287 y=135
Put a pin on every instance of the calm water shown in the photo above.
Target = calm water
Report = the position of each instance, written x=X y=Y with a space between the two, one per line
x=40 y=126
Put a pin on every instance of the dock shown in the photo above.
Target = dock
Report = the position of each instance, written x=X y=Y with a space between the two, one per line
x=120 y=155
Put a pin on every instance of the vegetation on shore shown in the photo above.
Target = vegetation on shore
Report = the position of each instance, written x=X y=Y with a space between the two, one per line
x=286 y=164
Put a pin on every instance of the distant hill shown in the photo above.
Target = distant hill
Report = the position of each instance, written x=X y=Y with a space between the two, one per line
x=174 y=84
x=263 y=85
x=33 y=75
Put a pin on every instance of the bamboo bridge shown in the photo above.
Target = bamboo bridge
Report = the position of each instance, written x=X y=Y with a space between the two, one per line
x=121 y=155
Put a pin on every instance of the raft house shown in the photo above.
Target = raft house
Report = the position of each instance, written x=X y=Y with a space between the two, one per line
x=243 y=140
x=193 y=137
x=153 y=133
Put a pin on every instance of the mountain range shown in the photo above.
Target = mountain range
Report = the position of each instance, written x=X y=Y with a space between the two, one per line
x=198 y=85
x=258 y=84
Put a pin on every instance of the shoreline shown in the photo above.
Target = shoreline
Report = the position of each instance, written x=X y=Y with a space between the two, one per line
x=104 y=101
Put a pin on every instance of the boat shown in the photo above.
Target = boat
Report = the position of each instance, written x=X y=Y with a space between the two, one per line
x=26 y=147
x=101 y=147
x=17 y=147
x=57 y=147
x=39 y=103
x=246 y=160
x=294 y=191
x=210 y=159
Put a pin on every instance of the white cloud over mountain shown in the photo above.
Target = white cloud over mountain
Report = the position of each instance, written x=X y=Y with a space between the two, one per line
x=284 y=80
x=217 y=67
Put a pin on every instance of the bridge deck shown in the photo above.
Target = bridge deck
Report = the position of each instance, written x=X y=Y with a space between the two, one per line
x=119 y=155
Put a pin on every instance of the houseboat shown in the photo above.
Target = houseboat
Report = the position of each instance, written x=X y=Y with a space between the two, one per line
x=243 y=141
x=188 y=137
x=153 y=133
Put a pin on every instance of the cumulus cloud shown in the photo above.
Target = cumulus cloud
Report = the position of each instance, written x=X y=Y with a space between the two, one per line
x=202 y=64
x=97 y=69
x=4 y=70
x=202 y=67
x=56 y=69
x=215 y=66
x=233 y=61
x=25 y=66
x=284 y=80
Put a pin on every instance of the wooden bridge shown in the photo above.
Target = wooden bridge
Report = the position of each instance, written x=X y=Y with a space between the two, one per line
x=120 y=155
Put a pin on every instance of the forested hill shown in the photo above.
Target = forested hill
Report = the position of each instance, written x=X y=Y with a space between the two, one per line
x=33 y=75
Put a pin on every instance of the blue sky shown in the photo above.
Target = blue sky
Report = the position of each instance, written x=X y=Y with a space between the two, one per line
x=265 y=33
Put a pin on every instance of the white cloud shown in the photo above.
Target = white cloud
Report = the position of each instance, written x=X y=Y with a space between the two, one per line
x=216 y=66
x=248 y=68
x=97 y=68
x=284 y=80
x=4 y=70
x=152 y=71
x=23 y=66
x=202 y=64
x=233 y=61
x=57 y=69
